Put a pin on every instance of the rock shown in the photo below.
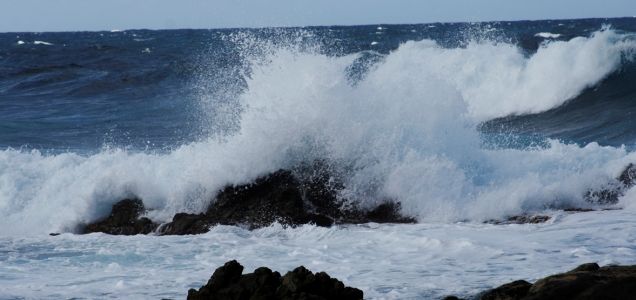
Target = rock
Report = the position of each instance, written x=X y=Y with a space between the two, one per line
x=508 y=291
x=227 y=282
x=586 y=282
x=124 y=220
x=616 y=189
x=307 y=194
x=274 y=198
x=628 y=176
x=521 y=219
x=286 y=198
x=183 y=223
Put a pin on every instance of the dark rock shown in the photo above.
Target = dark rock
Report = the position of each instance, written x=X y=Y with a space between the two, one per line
x=577 y=210
x=509 y=291
x=54 y=234
x=273 y=198
x=123 y=220
x=628 y=176
x=307 y=194
x=388 y=212
x=521 y=219
x=616 y=189
x=586 y=282
x=183 y=223
x=287 y=198
x=589 y=267
x=227 y=282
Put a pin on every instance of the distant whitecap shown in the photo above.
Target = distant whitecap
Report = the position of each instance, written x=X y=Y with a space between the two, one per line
x=42 y=43
x=547 y=35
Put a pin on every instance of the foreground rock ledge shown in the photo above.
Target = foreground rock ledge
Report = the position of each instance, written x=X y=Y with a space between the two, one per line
x=227 y=282
x=586 y=282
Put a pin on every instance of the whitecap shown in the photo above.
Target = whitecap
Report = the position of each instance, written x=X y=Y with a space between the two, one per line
x=547 y=35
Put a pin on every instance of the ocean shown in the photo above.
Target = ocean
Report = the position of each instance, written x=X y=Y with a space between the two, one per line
x=459 y=122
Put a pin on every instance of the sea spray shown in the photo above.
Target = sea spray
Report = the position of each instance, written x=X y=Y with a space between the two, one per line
x=405 y=130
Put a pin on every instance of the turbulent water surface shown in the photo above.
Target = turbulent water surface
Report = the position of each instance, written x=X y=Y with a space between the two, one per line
x=459 y=122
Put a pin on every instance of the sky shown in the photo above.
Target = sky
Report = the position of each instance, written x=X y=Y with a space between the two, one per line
x=74 y=15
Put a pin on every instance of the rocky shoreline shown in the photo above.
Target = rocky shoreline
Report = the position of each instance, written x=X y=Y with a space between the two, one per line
x=285 y=196
x=291 y=200
x=294 y=198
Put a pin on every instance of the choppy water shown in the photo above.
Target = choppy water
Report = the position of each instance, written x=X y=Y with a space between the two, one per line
x=459 y=122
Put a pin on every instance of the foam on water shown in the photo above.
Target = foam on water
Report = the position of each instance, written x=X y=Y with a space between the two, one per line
x=548 y=35
x=405 y=130
x=421 y=261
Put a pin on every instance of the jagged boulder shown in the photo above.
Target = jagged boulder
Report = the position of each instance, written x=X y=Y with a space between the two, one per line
x=229 y=283
x=124 y=219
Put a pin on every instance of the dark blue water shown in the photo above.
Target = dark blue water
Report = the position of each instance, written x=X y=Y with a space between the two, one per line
x=143 y=89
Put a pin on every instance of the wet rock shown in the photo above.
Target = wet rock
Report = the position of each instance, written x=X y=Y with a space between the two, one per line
x=521 y=219
x=307 y=194
x=628 y=176
x=586 y=282
x=227 y=282
x=616 y=189
x=273 y=198
x=183 y=223
x=123 y=220
x=512 y=290
x=286 y=198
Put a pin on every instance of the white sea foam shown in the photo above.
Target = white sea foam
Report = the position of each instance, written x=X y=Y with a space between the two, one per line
x=20 y=43
x=406 y=130
x=422 y=261
x=42 y=43
x=548 y=35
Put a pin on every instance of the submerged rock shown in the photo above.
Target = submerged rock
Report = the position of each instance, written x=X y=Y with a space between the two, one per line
x=586 y=282
x=228 y=282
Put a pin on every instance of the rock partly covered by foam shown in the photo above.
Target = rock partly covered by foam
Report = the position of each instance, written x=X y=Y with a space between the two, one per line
x=282 y=196
x=229 y=282
x=586 y=282
x=610 y=194
x=124 y=219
